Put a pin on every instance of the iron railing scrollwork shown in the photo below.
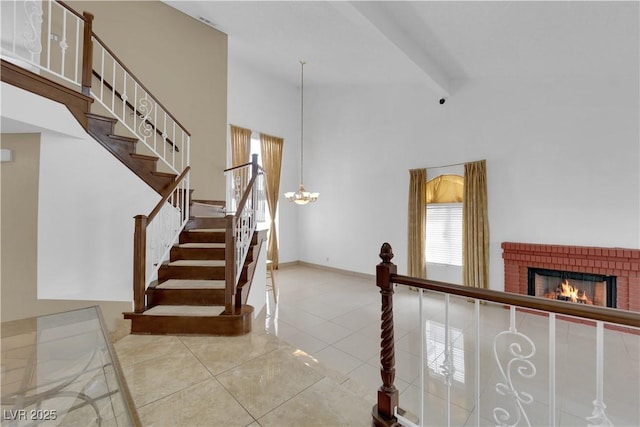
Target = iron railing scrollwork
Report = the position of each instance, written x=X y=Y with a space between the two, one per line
x=246 y=205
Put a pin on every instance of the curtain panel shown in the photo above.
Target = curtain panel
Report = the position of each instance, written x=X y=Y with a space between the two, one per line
x=240 y=146
x=271 y=148
x=416 y=238
x=475 y=226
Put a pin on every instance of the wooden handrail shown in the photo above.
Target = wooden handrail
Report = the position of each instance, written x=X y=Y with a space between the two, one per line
x=167 y=194
x=610 y=315
x=138 y=81
x=260 y=168
x=66 y=6
x=133 y=108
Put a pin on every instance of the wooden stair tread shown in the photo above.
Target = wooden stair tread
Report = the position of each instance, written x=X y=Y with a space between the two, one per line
x=191 y=284
x=143 y=156
x=209 y=202
x=206 y=230
x=185 y=310
x=202 y=245
x=164 y=174
x=198 y=263
x=123 y=138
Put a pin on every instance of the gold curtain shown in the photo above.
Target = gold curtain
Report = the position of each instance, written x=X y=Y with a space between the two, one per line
x=475 y=226
x=240 y=146
x=271 y=148
x=416 y=265
x=445 y=189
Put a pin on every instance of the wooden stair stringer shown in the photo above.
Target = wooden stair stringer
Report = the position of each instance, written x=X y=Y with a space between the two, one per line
x=101 y=128
x=77 y=103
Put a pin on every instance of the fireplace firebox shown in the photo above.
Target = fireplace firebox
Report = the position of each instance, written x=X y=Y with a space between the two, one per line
x=582 y=288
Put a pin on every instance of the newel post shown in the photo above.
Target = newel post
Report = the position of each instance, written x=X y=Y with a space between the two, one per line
x=87 y=53
x=383 y=412
x=139 y=263
x=254 y=165
x=230 y=263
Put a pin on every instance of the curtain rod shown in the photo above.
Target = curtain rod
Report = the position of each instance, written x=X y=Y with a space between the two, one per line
x=452 y=164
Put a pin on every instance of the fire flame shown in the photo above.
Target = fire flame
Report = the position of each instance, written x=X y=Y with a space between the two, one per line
x=568 y=292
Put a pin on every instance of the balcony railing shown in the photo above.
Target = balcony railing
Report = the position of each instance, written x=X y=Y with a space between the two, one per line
x=493 y=358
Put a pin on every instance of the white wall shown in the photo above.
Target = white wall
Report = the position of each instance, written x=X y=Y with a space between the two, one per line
x=265 y=104
x=86 y=204
x=562 y=158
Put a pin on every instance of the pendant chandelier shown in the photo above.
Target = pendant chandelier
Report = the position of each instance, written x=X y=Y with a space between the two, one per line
x=301 y=197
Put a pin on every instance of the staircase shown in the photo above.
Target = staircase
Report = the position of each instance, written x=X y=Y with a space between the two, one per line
x=199 y=289
x=189 y=295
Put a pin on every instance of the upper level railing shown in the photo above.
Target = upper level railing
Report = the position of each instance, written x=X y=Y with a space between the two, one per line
x=248 y=206
x=529 y=360
x=49 y=37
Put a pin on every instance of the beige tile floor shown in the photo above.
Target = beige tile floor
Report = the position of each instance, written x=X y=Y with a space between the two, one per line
x=312 y=359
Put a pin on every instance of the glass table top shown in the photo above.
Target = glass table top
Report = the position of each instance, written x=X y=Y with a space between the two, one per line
x=60 y=369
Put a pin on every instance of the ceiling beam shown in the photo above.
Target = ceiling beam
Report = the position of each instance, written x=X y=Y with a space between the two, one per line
x=395 y=25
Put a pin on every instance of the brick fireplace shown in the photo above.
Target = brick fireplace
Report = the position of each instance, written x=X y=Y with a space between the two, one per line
x=624 y=264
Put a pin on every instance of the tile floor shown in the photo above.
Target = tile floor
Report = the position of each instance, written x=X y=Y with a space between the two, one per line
x=313 y=359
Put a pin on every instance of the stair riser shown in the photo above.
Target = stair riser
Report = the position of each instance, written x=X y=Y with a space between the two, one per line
x=143 y=165
x=100 y=125
x=202 y=237
x=185 y=297
x=205 y=222
x=178 y=253
x=207 y=237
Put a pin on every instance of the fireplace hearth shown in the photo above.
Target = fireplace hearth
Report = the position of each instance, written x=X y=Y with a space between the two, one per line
x=581 y=288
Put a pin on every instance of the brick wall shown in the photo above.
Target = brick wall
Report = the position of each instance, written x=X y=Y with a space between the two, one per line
x=619 y=262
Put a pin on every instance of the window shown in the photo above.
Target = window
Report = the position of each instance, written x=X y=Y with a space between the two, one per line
x=435 y=340
x=255 y=148
x=444 y=233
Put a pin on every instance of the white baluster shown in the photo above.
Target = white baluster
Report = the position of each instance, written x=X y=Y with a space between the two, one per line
x=63 y=40
x=423 y=343
x=477 y=366
x=599 y=417
x=77 y=63
x=552 y=369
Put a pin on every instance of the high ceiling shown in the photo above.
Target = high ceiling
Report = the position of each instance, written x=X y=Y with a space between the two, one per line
x=433 y=42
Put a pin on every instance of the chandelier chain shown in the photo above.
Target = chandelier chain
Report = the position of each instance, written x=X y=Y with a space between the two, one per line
x=302 y=122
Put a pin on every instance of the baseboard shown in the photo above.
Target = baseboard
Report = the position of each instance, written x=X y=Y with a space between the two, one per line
x=327 y=268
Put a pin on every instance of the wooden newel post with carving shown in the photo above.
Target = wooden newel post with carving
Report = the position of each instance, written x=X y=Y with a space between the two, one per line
x=383 y=412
